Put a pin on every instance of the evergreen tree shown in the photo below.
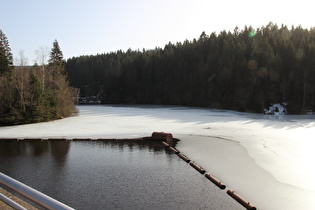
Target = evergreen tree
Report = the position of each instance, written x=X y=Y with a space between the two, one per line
x=6 y=59
x=56 y=56
x=59 y=86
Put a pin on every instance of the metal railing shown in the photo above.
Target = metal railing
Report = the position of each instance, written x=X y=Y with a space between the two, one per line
x=32 y=194
x=11 y=203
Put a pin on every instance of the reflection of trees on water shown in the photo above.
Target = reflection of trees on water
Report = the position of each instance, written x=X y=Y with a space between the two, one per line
x=17 y=148
x=123 y=145
x=59 y=149
x=131 y=145
x=38 y=148
x=11 y=148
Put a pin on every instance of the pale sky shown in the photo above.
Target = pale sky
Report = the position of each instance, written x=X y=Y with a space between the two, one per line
x=98 y=26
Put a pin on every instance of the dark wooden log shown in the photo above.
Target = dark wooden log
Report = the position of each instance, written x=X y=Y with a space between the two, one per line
x=162 y=136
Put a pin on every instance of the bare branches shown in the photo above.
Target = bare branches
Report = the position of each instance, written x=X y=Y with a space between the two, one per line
x=41 y=58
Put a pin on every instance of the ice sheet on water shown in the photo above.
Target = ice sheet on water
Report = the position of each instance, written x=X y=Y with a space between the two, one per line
x=282 y=147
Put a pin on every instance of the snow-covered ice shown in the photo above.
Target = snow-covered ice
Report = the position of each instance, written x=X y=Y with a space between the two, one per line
x=267 y=160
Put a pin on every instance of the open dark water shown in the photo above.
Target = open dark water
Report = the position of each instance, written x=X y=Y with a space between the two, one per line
x=111 y=175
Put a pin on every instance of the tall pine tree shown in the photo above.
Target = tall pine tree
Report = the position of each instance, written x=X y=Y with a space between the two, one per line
x=59 y=83
x=6 y=58
x=56 y=56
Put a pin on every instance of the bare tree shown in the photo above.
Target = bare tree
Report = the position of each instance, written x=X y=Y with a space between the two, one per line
x=20 y=78
x=41 y=59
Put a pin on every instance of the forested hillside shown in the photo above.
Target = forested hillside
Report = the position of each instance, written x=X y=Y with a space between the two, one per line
x=243 y=70
x=33 y=94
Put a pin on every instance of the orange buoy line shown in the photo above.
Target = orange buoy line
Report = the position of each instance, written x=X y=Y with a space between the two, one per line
x=33 y=139
x=197 y=167
x=57 y=139
x=81 y=139
x=184 y=157
x=71 y=139
x=241 y=200
x=132 y=139
x=105 y=139
x=165 y=144
x=215 y=181
x=174 y=150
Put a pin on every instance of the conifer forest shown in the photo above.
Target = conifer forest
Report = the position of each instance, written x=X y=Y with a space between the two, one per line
x=246 y=70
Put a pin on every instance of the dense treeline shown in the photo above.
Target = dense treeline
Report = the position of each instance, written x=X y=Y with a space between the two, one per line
x=244 y=70
x=33 y=94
